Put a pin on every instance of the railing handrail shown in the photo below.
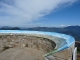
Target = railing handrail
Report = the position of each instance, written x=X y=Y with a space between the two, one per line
x=77 y=42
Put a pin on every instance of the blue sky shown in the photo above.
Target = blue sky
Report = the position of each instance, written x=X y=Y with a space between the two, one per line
x=69 y=15
x=32 y=13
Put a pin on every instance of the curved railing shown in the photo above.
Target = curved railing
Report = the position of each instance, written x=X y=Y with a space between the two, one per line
x=65 y=42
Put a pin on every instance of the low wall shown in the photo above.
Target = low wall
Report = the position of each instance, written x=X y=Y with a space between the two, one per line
x=21 y=41
x=35 y=45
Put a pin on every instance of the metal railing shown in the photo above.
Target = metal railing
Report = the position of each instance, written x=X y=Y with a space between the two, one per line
x=78 y=55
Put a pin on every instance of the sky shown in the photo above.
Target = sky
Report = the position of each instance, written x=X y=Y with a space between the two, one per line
x=33 y=13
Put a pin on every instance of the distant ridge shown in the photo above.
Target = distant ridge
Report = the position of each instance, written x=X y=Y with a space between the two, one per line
x=9 y=28
x=70 y=30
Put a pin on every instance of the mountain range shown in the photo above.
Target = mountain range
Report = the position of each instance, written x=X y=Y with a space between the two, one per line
x=70 y=30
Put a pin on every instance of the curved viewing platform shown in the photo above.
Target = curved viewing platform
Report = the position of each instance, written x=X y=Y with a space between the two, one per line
x=35 y=45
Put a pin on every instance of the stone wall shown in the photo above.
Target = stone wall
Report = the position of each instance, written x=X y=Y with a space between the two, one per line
x=33 y=47
x=65 y=54
x=20 y=41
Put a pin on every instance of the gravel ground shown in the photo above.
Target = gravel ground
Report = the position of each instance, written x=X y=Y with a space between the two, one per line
x=22 y=54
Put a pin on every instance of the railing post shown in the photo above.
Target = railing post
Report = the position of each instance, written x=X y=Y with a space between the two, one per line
x=75 y=54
